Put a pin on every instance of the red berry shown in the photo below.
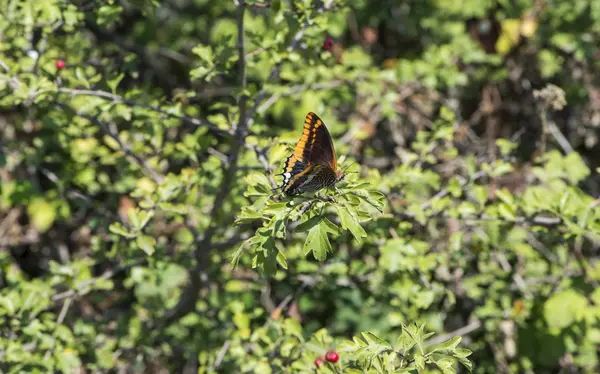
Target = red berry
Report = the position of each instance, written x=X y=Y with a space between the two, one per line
x=319 y=361
x=60 y=64
x=328 y=44
x=332 y=356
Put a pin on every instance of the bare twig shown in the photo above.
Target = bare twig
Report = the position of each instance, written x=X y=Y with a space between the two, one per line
x=261 y=95
x=59 y=321
x=520 y=220
x=221 y=354
x=261 y=154
x=299 y=88
x=465 y=330
x=86 y=199
x=559 y=137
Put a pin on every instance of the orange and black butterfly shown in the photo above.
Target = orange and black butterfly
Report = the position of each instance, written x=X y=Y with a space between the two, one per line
x=313 y=165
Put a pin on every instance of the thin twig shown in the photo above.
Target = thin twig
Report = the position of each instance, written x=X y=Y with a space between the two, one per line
x=120 y=99
x=142 y=163
x=299 y=88
x=559 y=137
x=465 y=330
x=59 y=321
x=221 y=354
x=445 y=191
x=536 y=220
x=108 y=274
x=261 y=95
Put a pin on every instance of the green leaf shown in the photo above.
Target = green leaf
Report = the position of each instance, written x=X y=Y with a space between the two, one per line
x=564 y=200
x=238 y=253
x=108 y=14
x=372 y=338
x=42 y=214
x=146 y=244
x=506 y=146
x=276 y=5
x=461 y=355
x=448 y=345
x=309 y=224
x=255 y=179
x=7 y=304
x=114 y=83
x=445 y=365
x=564 y=308
x=576 y=168
x=318 y=242
x=349 y=222
x=506 y=211
x=419 y=362
x=118 y=229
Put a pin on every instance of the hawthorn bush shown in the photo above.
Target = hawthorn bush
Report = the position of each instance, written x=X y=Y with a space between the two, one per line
x=140 y=143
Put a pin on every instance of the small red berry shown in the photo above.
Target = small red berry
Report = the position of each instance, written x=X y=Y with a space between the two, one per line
x=328 y=44
x=319 y=361
x=332 y=356
x=60 y=64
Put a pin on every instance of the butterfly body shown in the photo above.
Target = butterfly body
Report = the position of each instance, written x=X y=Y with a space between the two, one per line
x=313 y=165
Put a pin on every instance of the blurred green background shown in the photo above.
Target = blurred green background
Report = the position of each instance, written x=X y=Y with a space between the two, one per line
x=138 y=151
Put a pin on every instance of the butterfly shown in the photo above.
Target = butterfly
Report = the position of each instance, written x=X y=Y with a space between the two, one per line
x=313 y=165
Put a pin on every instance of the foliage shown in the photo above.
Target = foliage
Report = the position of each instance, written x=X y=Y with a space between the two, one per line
x=141 y=228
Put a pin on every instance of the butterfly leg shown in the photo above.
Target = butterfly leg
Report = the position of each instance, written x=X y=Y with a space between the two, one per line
x=321 y=196
x=329 y=197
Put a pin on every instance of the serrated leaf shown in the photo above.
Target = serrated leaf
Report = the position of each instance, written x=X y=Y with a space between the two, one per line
x=465 y=362
x=462 y=352
x=349 y=222
x=369 y=336
x=238 y=253
x=256 y=179
x=445 y=365
x=318 y=242
x=332 y=228
x=448 y=345
x=308 y=224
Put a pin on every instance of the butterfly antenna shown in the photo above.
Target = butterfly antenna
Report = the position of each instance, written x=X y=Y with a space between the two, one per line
x=348 y=167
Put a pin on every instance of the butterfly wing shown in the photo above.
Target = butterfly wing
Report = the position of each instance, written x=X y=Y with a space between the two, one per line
x=321 y=149
x=314 y=156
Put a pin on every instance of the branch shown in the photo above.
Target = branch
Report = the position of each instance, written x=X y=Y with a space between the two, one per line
x=298 y=89
x=59 y=321
x=120 y=99
x=142 y=163
x=261 y=95
x=535 y=220
x=189 y=296
x=465 y=330
x=445 y=191
x=108 y=274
